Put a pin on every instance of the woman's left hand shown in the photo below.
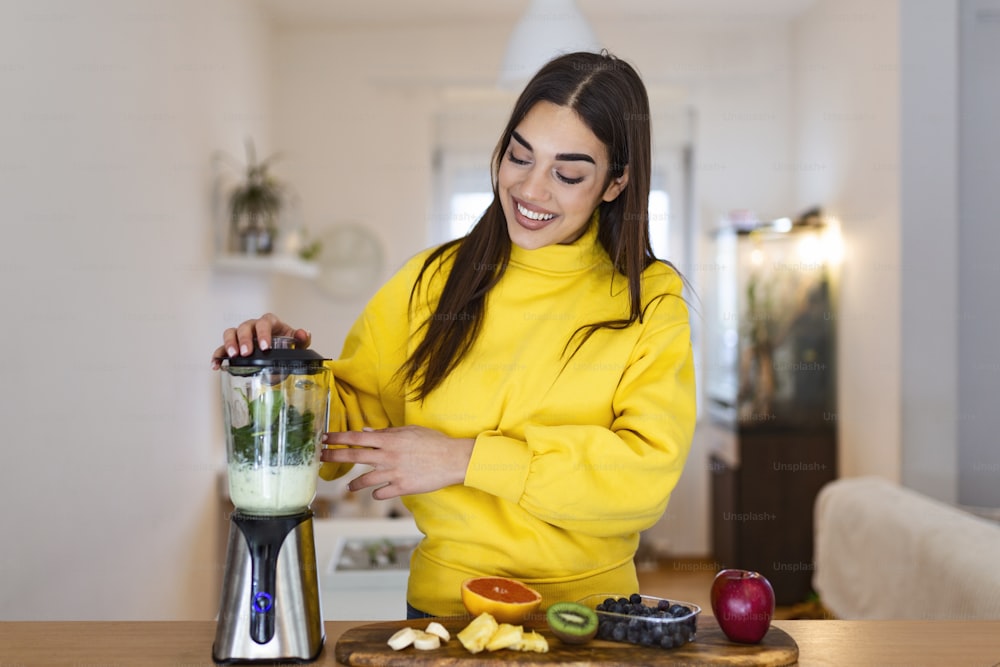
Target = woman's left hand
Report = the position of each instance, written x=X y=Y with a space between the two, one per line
x=405 y=459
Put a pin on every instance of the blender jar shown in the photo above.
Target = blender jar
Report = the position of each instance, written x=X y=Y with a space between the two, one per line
x=275 y=406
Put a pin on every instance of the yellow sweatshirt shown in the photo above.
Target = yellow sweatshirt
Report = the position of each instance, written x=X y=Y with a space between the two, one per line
x=571 y=460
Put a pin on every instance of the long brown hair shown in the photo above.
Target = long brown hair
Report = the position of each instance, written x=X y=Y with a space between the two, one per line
x=610 y=98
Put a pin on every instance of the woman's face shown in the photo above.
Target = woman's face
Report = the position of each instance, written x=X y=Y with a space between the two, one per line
x=552 y=176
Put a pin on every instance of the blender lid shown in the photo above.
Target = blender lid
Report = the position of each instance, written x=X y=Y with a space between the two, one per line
x=284 y=352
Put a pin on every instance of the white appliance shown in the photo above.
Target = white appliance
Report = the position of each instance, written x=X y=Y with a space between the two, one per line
x=363 y=567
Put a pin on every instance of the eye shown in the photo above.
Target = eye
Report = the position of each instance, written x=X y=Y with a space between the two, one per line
x=568 y=180
x=510 y=156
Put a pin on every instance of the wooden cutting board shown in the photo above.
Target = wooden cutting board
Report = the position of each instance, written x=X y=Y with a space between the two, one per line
x=366 y=645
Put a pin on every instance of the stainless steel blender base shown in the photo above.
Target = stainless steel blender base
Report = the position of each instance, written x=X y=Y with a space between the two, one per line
x=294 y=620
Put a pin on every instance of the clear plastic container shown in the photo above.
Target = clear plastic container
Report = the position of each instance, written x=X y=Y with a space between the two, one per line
x=660 y=622
x=275 y=408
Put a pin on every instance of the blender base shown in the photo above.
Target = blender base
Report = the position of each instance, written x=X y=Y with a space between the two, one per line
x=270 y=608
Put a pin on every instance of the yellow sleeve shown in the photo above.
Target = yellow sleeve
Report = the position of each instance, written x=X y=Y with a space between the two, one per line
x=606 y=481
x=366 y=391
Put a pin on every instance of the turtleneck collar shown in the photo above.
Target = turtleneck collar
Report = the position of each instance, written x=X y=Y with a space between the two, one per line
x=579 y=255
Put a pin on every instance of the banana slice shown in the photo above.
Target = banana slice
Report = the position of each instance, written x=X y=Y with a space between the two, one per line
x=425 y=641
x=436 y=628
x=402 y=638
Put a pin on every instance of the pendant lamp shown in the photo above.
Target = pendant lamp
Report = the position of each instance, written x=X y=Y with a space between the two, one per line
x=549 y=28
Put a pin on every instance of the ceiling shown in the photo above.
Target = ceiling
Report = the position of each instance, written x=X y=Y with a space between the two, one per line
x=312 y=12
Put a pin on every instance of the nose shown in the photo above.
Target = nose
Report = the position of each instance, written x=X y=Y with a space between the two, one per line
x=533 y=187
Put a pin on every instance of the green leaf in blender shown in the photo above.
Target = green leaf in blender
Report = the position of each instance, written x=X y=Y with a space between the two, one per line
x=271 y=419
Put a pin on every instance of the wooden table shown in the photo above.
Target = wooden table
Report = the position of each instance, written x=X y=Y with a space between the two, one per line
x=189 y=643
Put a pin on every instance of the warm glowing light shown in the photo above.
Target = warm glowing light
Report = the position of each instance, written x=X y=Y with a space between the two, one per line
x=833 y=242
x=756 y=257
x=811 y=250
x=782 y=225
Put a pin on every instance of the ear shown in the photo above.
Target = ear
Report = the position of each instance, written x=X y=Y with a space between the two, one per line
x=616 y=186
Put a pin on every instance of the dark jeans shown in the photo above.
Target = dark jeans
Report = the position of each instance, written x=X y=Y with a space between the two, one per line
x=412 y=613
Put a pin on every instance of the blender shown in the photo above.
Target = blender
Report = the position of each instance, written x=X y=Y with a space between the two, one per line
x=275 y=407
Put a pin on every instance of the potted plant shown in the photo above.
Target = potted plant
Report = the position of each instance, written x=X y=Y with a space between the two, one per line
x=254 y=205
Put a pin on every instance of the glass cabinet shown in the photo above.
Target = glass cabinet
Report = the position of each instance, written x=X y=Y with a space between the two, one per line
x=771 y=394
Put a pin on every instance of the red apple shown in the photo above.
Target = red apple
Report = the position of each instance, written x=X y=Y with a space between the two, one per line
x=743 y=604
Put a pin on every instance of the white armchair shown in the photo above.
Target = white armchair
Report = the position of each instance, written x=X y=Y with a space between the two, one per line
x=886 y=552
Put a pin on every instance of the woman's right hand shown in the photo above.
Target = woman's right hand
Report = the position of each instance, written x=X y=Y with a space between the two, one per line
x=241 y=339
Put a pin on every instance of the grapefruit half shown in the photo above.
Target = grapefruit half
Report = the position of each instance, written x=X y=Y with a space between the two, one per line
x=507 y=600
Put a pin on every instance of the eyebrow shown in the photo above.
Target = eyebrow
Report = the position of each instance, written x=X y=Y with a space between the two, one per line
x=562 y=157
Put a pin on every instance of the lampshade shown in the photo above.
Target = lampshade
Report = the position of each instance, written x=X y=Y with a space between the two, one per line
x=547 y=29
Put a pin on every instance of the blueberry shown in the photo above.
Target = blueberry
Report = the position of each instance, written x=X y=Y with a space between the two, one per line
x=652 y=625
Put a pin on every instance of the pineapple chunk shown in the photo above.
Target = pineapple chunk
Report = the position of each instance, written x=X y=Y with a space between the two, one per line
x=506 y=636
x=478 y=633
x=532 y=641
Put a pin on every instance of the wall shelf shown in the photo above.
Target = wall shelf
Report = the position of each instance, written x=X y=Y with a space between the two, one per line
x=283 y=264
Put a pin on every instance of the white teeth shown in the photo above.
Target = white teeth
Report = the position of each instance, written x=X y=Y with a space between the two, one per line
x=534 y=216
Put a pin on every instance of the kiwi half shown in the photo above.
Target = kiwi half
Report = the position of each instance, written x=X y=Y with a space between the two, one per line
x=571 y=622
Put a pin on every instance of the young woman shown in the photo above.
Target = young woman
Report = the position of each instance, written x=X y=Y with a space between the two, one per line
x=527 y=389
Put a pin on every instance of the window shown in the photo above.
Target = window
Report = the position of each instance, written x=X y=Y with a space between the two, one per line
x=465 y=210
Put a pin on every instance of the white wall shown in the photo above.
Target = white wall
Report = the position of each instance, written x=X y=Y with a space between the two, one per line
x=846 y=156
x=111 y=112
x=929 y=179
x=979 y=237
x=895 y=113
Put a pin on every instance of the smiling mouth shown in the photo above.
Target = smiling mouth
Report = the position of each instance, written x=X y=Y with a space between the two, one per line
x=534 y=215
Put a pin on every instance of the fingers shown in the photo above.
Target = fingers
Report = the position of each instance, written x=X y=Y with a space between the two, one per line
x=366 y=438
x=384 y=484
x=303 y=336
x=349 y=450
x=240 y=340
x=372 y=478
x=353 y=454
x=218 y=356
x=254 y=332
x=383 y=480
